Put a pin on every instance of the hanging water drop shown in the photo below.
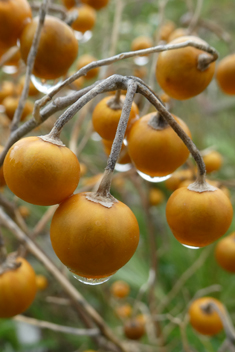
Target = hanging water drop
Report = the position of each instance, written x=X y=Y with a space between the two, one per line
x=155 y=179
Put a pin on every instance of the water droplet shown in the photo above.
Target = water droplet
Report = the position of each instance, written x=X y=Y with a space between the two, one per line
x=89 y=281
x=123 y=167
x=141 y=60
x=191 y=247
x=9 y=69
x=95 y=137
x=45 y=86
x=83 y=37
x=155 y=179
x=125 y=142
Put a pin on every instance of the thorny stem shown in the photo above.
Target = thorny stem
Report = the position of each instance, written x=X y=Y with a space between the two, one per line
x=105 y=183
x=30 y=64
x=225 y=319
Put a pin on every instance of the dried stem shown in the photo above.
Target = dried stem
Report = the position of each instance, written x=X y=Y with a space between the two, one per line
x=55 y=327
x=151 y=77
x=104 y=187
x=75 y=296
x=35 y=5
x=154 y=100
x=116 y=25
x=184 y=277
x=226 y=321
x=195 y=18
x=83 y=71
x=72 y=110
x=3 y=251
x=8 y=55
x=30 y=63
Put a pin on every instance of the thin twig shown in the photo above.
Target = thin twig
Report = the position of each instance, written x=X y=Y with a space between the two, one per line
x=8 y=55
x=195 y=17
x=184 y=277
x=30 y=64
x=55 y=327
x=83 y=71
x=35 y=5
x=116 y=26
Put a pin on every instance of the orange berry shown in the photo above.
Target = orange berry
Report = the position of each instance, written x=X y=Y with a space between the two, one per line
x=198 y=218
x=85 y=20
x=134 y=329
x=41 y=282
x=205 y=322
x=177 y=72
x=120 y=289
x=41 y=172
x=213 y=161
x=17 y=289
x=225 y=74
x=57 y=38
x=156 y=152
x=225 y=253
x=99 y=241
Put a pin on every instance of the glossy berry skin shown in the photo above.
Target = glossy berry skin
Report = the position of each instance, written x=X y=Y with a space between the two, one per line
x=177 y=72
x=14 y=15
x=225 y=74
x=17 y=289
x=57 y=38
x=120 y=289
x=93 y=241
x=105 y=119
x=134 y=329
x=198 y=219
x=86 y=18
x=40 y=172
x=206 y=323
x=156 y=152
x=225 y=253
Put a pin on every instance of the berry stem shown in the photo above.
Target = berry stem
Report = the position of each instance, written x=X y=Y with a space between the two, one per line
x=225 y=318
x=115 y=102
x=154 y=100
x=105 y=183
x=3 y=252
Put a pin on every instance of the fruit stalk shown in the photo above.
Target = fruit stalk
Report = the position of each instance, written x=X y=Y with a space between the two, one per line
x=30 y=64
x=152 y=97
x=105 y=183
x=225 y=318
